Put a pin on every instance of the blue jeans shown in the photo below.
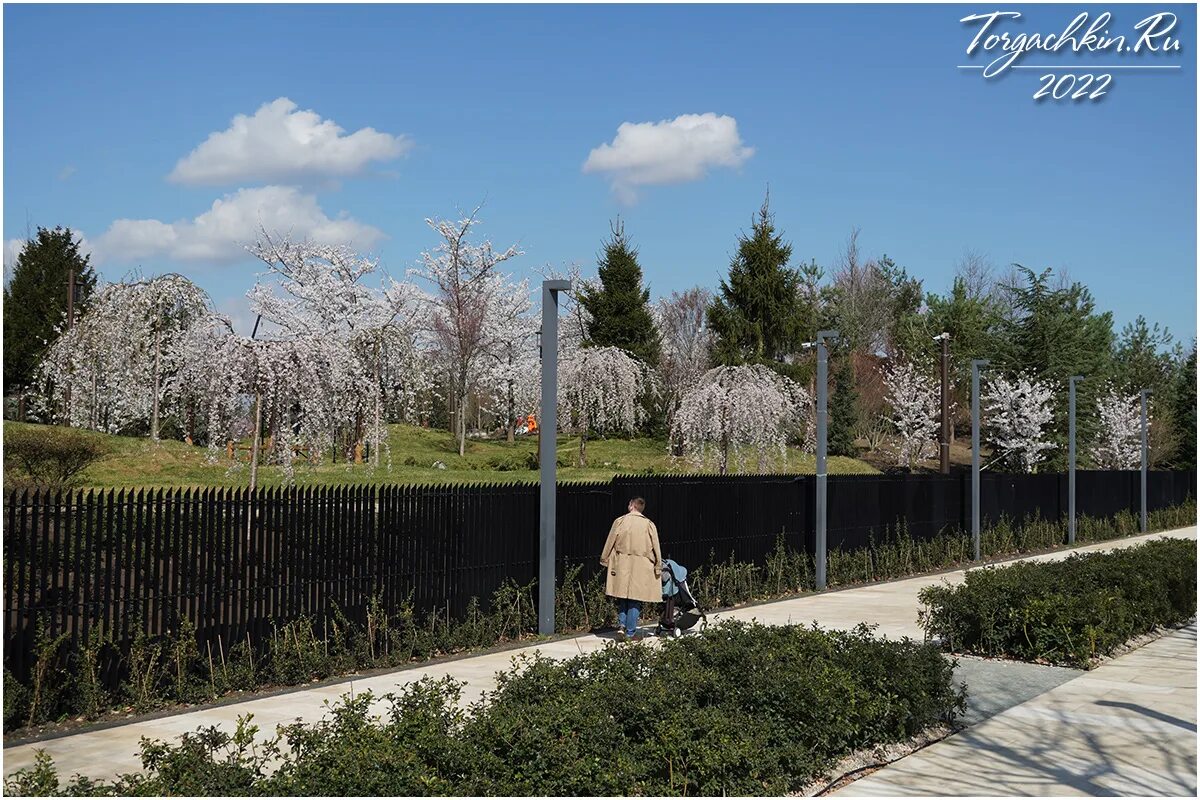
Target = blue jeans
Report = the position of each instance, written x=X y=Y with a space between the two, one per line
x=628 y=612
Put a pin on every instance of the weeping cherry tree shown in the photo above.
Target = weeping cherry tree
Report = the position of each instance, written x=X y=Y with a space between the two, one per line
x=112 y=369
x=600 y=389
x=732 y=411
x=333 y=338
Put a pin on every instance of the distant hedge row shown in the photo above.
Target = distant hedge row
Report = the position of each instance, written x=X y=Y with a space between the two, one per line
x=1066 y=612
x=741 y=710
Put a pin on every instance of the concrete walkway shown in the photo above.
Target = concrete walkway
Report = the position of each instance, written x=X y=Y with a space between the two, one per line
x=104 y=753
x=1125 y=728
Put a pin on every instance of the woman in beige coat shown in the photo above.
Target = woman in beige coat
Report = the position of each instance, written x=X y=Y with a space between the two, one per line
x=634 y=560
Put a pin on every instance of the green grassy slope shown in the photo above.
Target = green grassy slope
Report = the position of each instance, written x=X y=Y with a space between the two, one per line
x=138 y=462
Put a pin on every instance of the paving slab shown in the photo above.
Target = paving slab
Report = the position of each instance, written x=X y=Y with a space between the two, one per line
x=1127 y=727
x=105 y=753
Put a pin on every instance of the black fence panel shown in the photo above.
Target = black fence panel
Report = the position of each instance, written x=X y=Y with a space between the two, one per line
x=1105 y=493
x=1166 y=489
x=1019 y=497
x=235 y=563
x=873 y=508
x=706 y=518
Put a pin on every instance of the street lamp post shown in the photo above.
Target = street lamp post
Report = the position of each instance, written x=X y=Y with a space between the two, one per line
x=822 y=448
x=976 y=364
x=547 y=491
x=1071 y=459
x=944 y=449
x=1145 y=453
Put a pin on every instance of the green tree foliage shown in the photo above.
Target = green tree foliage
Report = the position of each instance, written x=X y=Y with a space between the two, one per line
x=972 y=320
x=843 y=408
x=620 y=314
x=972 y=317
x=1184 y=412
x=757 y=318
x=1054 y=332
x=1144 y=359
x=35 y=299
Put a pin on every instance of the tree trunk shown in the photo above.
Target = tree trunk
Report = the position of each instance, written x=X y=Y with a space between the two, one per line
x=583 y=448
x=378 y=403
x=254 y=445
x=462 y=417
x=512 y=414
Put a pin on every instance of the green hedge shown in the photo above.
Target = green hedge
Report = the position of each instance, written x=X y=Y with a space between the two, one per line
x=1066 y=612
x=744 y=709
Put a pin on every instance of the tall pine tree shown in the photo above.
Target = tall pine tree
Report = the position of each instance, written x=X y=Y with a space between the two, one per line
x=35 y=299
x=620 y=314
x=756 y=318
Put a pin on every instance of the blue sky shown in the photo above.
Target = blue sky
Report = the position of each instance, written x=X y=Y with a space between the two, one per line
x=856 y=116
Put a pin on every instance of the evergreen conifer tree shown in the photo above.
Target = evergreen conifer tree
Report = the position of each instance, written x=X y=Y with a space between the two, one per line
x=843 y=408
x=756 y=317
x=35 y=299
x=619 y=306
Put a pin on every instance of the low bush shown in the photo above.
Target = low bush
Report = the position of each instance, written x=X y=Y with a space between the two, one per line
x=1066 y=612
x=742 y=710
x=49 y=457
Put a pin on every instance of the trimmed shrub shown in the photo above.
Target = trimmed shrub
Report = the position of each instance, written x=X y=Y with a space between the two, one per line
x=1066 y=612
x=50 y=457
x=744 y=710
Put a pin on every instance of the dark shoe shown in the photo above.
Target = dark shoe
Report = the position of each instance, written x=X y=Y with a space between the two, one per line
x=621 y=635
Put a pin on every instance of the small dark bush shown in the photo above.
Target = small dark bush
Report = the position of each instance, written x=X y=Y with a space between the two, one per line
x=1066 y=612
x=743 y=710
x=51 y=457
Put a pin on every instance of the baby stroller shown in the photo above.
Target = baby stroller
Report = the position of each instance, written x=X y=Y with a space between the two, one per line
x=681 y=612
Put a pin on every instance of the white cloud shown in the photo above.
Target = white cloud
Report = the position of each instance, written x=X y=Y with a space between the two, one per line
x=12 y=249
x=281 y=143
x=66 y=172
x=671 y=151
x=220 y=234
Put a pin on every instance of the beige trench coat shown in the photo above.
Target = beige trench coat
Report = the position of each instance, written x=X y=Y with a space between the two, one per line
x=634 y=559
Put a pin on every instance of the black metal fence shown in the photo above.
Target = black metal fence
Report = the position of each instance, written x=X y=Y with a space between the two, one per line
x=234 y=563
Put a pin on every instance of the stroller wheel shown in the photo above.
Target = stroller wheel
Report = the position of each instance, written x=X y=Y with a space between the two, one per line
x=676 y=633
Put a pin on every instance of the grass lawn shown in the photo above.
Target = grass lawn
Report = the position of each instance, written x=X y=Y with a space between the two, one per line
x=138 y=462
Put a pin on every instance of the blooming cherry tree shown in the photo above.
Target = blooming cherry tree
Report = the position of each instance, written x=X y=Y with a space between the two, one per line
x=513 y=375
x=111 y=370
x=914 y=400
x=601 y=389
x=731 y=411
x=460 y=315
x=1018 y=412
x=322 y=306
x=1118 y=442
